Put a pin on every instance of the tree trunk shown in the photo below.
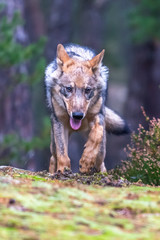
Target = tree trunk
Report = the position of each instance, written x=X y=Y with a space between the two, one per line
x=15 y=108
x=144 y=84
x=55 y=21
x=15 y=98
x=152 y=104
x=59 y=23
x=34 y=19
x=92 y=23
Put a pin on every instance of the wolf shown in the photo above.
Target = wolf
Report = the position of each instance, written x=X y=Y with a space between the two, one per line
x=76 y=84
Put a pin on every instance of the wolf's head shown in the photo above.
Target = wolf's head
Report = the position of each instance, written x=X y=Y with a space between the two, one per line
x=79 y=84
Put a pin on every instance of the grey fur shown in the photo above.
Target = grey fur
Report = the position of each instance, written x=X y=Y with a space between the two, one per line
x=105 y=119
x=114 y=123
x=52 y=72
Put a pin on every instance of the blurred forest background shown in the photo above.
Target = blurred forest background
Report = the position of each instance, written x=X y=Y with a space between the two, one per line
x=30 y=30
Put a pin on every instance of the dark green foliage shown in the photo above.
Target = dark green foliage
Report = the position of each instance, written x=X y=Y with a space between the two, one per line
x=145 y=20
x=14 y=53
x=144 y=155
x=32 y=207
x=17 y=151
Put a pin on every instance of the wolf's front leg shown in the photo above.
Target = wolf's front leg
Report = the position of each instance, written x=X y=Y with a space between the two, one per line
x=95 y=148
x=59 y=147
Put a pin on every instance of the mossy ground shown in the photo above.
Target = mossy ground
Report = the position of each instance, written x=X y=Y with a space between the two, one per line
x=37 y=206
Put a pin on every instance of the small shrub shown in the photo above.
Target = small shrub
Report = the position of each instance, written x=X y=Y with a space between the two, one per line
x=143 y=155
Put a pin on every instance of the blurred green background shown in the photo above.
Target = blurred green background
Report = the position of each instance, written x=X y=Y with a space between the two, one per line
x=29 y=33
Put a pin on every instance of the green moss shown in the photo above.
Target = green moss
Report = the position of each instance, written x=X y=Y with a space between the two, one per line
x=62 y=210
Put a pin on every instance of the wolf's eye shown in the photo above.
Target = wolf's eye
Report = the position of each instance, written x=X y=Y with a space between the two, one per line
x=69 y=89
x=87 y=90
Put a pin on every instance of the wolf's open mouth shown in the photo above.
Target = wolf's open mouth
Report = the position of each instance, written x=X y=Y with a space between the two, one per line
x=75 y=123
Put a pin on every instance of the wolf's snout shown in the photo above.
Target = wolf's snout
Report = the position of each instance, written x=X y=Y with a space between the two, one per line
x=76 y=120
x=77 y=115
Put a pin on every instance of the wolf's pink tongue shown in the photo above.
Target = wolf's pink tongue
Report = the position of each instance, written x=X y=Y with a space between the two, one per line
x=75 y=123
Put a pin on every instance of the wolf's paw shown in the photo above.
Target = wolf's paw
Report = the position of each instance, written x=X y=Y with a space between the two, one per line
x=62 y=168
x=87 y=165
x=89 y=171
x=63 y=163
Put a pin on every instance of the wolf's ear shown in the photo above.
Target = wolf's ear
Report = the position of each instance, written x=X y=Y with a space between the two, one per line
x=95 y=61
x=62 y=55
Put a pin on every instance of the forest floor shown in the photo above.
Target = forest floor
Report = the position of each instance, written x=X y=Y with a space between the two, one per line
x=40 y=206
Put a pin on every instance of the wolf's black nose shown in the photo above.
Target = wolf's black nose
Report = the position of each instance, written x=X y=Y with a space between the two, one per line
x=77 y=115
